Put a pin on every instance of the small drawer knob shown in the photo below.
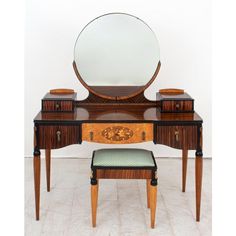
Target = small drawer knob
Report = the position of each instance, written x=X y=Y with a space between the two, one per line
x=176 y=136
x=58 y=136
x=177 y=106
x=57 y=106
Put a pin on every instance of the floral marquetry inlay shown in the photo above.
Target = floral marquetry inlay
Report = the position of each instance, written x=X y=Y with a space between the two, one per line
x=117 y=133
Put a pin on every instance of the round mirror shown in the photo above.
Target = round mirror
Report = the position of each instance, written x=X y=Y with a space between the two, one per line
x=116 y=56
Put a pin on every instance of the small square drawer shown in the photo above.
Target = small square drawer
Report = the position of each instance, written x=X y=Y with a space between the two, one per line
x=58 y=103
x=58 y=106
x=177 y=106
x=175 y=103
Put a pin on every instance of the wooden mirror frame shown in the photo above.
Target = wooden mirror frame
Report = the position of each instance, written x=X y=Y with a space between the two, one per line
x=123 y=92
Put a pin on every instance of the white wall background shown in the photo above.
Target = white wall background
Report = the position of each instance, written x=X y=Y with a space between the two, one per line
x=183 y=29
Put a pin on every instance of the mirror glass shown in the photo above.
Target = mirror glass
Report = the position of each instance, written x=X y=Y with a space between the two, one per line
x=116 y=50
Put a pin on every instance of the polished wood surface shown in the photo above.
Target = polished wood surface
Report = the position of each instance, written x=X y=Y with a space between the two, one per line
x=37 y=166
x=198 y=180
x=57 y=106
x=183 y=106
x=181 y=96
x=57 y=136
x=94 y=203
x=62 y=91
x=148 y=181
x=59 y=96
x=118 y=133
x=109 y=91
x=184 y=167
x=118 y=113
x=58 y=102
x=123 y=174
x=153 y=203
x=137 y=100
x=174 y=136
x=175 y=102
x=48 y=167
x=171 y=91
x=178 y=130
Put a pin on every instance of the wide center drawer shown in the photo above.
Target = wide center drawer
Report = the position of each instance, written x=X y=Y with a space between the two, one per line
x=117 y=133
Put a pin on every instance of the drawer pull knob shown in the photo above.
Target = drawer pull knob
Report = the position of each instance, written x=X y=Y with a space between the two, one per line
x=57 y=106
x=177 y=106
x=177 y=136
x=58 y=136
x=143 y=136
x=91 y=135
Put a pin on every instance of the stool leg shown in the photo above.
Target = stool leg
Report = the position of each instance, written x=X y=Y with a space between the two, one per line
x=153 y=201
x=148 y=192
x=94 y=201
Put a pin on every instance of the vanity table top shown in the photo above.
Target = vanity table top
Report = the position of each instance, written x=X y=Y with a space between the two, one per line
x=119 y=113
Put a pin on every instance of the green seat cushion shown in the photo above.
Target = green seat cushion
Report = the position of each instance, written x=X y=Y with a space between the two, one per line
x=123 y=157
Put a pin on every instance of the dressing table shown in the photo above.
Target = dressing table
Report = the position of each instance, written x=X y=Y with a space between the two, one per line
x=117 y=57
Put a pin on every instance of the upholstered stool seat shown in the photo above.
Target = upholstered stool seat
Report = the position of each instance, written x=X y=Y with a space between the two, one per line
x=124 y=164
x=123 y=158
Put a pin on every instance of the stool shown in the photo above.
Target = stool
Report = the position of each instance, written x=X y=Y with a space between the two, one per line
x=124 y=164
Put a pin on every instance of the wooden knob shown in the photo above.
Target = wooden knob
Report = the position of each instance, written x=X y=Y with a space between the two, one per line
x=57 y=106
x=177 y=106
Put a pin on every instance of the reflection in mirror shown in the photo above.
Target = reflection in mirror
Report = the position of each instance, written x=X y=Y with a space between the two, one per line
x=116 y=51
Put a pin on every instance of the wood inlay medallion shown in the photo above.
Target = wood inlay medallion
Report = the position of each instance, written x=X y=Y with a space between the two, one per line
x=117 y=133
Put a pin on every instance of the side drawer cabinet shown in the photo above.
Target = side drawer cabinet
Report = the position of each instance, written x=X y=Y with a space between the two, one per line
x=59 y=102
x=57 y=136
x=177 y=136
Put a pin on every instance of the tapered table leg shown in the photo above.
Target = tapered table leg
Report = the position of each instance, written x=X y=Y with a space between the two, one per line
x=148 y=181
x=94 y=201
x=198 y=179
x=36 y=164
x=48 y=167
x=184 y=168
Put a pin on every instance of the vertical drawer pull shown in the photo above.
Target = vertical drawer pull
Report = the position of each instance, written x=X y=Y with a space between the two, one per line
x=177 y=136
x=58 y=136
x=143 y=135
x=91 y=135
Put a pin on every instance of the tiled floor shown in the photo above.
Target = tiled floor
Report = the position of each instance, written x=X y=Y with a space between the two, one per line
x=122 y=203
